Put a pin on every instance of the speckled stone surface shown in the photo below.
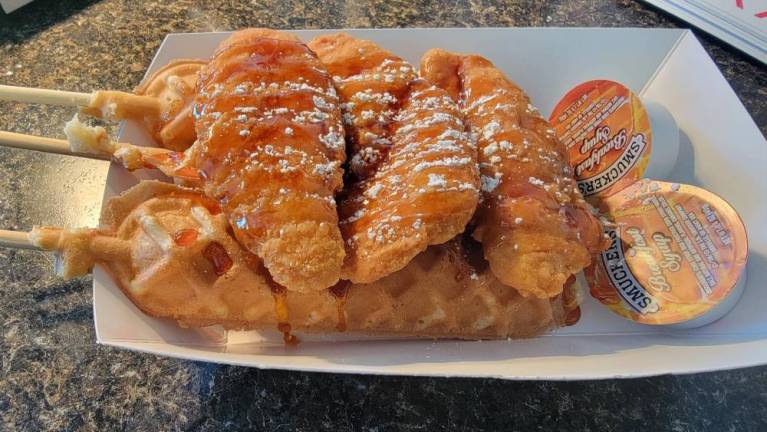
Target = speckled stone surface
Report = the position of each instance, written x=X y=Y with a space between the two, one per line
x=54 y=377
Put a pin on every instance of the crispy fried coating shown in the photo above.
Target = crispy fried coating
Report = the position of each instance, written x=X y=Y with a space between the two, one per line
x=270 y=148
x=535 y=227
x=412 y=179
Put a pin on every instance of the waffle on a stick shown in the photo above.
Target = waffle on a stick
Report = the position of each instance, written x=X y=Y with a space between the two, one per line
x=535 y=227
x=162 y=103
x=412 y=179
x=269 y=150
x=84 y=139
x=174 y=85
x=170 y=251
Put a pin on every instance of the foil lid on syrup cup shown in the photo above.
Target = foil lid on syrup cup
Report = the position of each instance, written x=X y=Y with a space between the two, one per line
x=677 y=256
x=612 y=138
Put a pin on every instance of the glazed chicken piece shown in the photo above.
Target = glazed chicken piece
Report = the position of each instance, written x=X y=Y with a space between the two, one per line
x=270 y=148
x=412 y=179
x=535 y=227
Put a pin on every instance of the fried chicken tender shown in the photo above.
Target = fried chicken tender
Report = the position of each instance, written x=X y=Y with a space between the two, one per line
x=412 y=179
x=535 y=227
x=270 y=149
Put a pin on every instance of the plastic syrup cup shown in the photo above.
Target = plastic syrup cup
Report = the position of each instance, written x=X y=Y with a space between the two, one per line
x=677 y=256
x=613 y=139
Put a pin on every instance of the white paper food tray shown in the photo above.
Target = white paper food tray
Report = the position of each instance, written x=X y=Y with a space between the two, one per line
x=721 y=150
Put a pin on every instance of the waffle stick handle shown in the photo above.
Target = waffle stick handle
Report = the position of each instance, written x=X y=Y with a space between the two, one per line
x=117 y=105
x=44 y=96
x=16 y=240
x=94 y=142
x=102 y=103
x=44 y=144
x=78 y=249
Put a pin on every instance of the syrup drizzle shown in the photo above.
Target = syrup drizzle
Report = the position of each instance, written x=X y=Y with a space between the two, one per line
x=217 y=255
x=171 y=163
x=340 y=292
x=280 y=295
x=185 y=237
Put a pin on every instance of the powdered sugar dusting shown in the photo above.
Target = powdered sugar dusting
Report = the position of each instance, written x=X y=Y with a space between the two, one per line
x=260 y=117
x=437 y=180
x=409 y=149
x=488 y=184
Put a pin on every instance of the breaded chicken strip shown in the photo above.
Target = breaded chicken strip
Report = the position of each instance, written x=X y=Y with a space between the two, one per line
x=270 y=148
x=413 y=179
x=535 y=227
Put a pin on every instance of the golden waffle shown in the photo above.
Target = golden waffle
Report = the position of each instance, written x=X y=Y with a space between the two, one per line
x=162 y=103
x=170 y=251
x=174 y=85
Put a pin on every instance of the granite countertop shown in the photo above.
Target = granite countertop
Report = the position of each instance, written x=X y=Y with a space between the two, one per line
x=54 y=376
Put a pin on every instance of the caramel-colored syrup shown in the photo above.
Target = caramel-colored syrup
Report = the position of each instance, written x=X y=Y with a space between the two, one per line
x=172 y=162
x=465 y=255
x=472 y=252
x=280 y=295
x=570 y=302
x=356 y=133
x=185 y=237
x=281 y=310
x=236 y=169
x=585 y=227
x=218 y=257
x=340 y=292
x=573 y=316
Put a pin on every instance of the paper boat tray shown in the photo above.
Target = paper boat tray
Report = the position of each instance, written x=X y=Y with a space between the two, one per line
x=721 y=150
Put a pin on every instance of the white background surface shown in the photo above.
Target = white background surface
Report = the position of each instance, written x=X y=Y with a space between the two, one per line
x=738 y=26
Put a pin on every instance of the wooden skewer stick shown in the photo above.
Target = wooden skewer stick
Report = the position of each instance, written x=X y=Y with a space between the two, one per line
x=164 y=112
x=44 y=96
x=95 y=144
x=103 y=103
x=16 y=240
x=43 y=144
x=77 y=249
